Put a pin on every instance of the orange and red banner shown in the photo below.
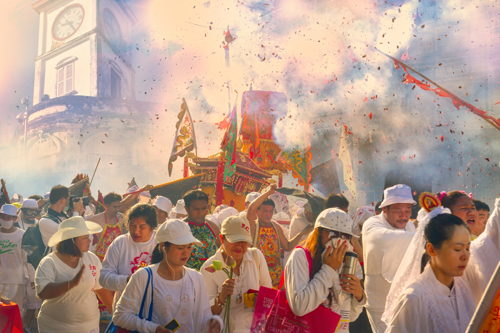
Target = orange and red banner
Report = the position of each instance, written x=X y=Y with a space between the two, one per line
x=440 y=91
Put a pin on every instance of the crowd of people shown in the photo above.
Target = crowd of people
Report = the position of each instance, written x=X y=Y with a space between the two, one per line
x=148 y=265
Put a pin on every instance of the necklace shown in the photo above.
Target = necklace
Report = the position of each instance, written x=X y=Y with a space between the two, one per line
x=238 y=287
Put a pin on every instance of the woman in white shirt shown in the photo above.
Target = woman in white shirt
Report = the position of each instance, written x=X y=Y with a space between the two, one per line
x=443 y=297
x=129 y=252
x=436 y=301
x=179 y=295
x=327 y=244
x=250 y=272
x=67 y=280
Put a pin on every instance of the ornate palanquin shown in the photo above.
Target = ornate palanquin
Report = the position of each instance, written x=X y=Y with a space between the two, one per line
x=247 y=178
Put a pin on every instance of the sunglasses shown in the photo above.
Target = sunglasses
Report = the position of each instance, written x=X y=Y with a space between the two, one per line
x=341 y=235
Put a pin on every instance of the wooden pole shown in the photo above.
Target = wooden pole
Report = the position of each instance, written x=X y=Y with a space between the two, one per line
x=186 y=166
x=92 y=179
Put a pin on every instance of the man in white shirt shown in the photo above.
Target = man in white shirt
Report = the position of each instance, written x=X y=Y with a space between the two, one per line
x=385 y=239
x=13 y=265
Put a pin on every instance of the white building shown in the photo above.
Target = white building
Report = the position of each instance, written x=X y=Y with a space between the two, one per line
x=83 y=99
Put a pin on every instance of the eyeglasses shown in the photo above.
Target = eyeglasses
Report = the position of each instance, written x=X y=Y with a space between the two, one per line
x=341 y=235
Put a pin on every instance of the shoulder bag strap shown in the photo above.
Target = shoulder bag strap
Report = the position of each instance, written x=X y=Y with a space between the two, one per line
x=141 y=309
x=275 y=226
x=150 y=313
x=211 y=230
x=309 y=262
x=256 y=233
x=309 y=259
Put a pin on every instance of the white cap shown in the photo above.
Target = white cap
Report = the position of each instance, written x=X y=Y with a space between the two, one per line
x=399 y=193
x=73 y=227
x=335 y=219
x=176 y=232
x=163 y=203
x=212 y=218
x=180 y=207
x=30 y=204
x=9 y=209
x=225 y=213
x=236 y=229
x=252 y=196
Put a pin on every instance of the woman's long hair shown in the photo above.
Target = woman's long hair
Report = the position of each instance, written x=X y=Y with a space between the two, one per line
x=316 y=248
x=313 y=244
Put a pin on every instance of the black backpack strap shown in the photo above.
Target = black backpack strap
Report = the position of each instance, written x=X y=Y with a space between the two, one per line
x=55 y=218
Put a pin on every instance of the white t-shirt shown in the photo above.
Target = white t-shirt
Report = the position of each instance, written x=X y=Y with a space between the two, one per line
x=76 y=310
x=12 y=258
x=123 y=258
x=383 y=249
x=253 y=274
x=185 y=300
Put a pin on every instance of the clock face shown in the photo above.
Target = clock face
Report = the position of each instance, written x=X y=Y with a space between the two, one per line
x=68 y=21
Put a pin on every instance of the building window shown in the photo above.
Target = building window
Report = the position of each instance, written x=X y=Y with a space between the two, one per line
x=65 y=80
x=116 y=84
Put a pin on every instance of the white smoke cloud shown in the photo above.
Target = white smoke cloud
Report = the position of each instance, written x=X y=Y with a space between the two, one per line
x=322 y=55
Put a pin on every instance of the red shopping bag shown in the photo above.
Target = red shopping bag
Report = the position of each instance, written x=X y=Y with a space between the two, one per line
x=10 y=318
x=272 y=314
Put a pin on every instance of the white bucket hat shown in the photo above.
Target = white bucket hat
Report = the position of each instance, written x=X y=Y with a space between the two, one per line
x=176 y=232
x=399 y=193
x=163 y=203
x=335 y=219
x=73 y=227
x=252 y=196
x=9 y=209
x=30 y=204
x=236 y=229
x=180 y=207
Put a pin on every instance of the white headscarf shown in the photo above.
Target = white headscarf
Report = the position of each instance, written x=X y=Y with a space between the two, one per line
x=409 y=269
x=362 y=214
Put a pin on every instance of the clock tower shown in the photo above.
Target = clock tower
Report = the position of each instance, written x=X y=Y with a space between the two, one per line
x=83 y=49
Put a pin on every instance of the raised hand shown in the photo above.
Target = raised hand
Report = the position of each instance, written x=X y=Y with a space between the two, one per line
x=335 y=256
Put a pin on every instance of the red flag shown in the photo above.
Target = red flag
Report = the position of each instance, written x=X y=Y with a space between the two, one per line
x=100 y=198
x=4 y=195
x=440 y=91
x=219 y=184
